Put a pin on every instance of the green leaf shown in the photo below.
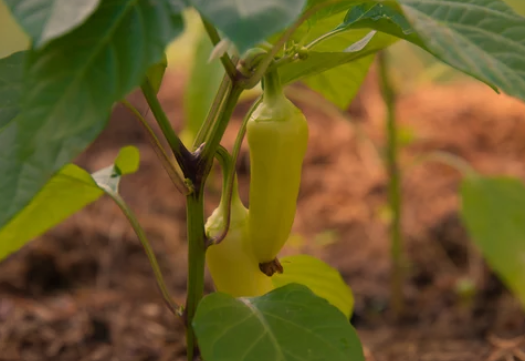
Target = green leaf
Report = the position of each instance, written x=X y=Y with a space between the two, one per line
x=71 y=85
x=45 y=20
x=287 y=324
x=328 y=8
x=70 y=190
x=156 y=73
x=11 y=84
x=385 y=16
x=320 y=278
x=493 y=210
x=482 y=38
x=341 y=84
x=127 y=162
x=203 y=84
x=246 y=23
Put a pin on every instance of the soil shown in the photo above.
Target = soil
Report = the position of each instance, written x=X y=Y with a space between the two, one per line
x=84 y=291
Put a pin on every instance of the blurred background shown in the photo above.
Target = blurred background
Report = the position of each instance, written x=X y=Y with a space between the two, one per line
x=85 y=291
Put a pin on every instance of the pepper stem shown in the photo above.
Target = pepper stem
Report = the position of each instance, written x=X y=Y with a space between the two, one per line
x=273 y=89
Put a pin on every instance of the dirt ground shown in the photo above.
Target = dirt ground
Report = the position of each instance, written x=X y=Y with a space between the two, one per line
x=85 y=292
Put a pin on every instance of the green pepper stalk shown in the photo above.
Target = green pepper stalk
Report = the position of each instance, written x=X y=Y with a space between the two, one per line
x=277 y=134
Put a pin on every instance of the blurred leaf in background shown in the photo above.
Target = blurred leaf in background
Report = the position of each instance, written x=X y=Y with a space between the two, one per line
x=12 y=37
x=493 y=210
x=518 y=5
x=203 y=83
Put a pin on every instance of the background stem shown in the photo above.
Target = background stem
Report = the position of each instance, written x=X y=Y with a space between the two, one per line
x=170 y=167
x=176 y=309
x=394 y=188
x=196 y=263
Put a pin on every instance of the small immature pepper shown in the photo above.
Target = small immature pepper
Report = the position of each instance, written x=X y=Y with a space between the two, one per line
x=277 y=134
x=232 y=266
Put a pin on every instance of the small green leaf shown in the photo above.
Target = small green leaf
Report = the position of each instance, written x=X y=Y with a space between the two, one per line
x=287 y=324
x=70 y=190
x=45 y=20
x=320 y=278
x=156 y=72
x=128 y=160
x=246 y=23
x=204 y=81
x=494 y=212
x=11 y=84
x=70 y=88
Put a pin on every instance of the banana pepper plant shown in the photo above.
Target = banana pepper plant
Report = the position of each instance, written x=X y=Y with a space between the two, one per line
x=58 y=89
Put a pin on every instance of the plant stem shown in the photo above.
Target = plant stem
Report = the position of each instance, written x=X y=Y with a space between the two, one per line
x=176 y=309
x=323 y=37
x=196 y=263
x=394 y=188
x=222 y=93
x=174 y=173
x=214 y=137
x=215 y=39
x=182 y=154
x=228 y=164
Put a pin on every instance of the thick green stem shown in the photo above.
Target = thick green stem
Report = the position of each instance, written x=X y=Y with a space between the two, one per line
x=182 y=154
x=394 y=188
x=196 y=263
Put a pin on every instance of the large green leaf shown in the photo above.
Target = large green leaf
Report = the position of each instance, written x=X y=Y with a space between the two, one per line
x=70 y=190
x=45 y=20
x=494 y=212
x=287 y=324
x=71 y=85
x=482 y=38
x=248 y=22
x=319 y=277
x=11 y=84
x=204 y=81
x=385 y=16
